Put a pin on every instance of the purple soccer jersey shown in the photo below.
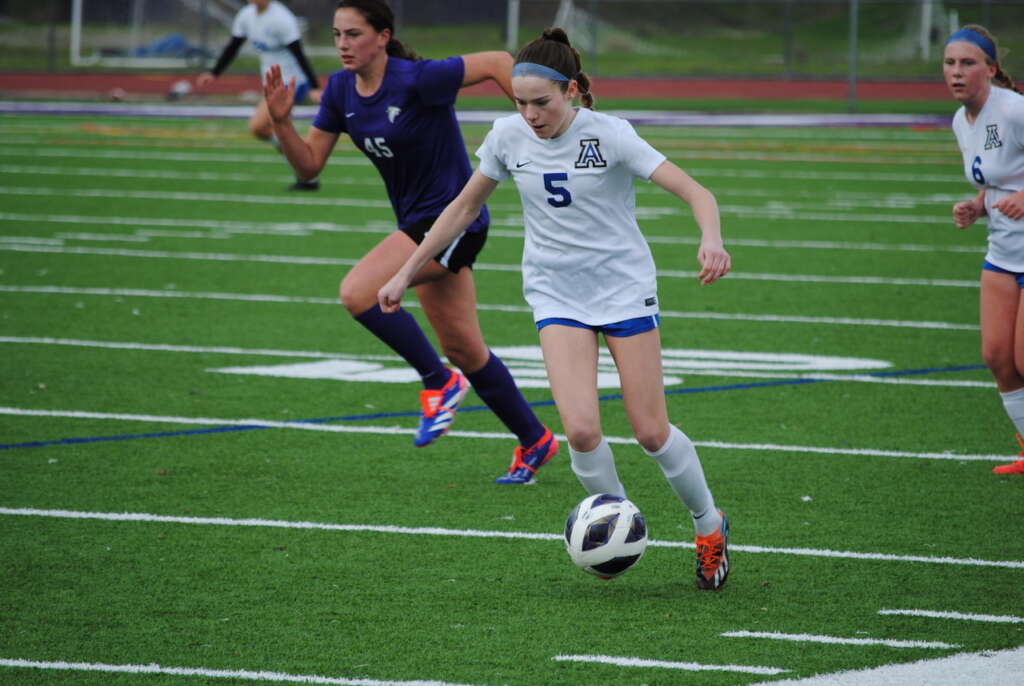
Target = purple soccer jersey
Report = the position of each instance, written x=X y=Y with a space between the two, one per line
x=409 y=131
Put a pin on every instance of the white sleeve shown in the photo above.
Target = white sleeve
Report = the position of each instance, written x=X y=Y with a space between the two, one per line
x=239 y=28
x=288 y=28
x=637 y=154
x=492 y=161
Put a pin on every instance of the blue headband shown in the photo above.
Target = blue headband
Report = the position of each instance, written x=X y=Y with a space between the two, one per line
x=532 y=69
x=968 y=36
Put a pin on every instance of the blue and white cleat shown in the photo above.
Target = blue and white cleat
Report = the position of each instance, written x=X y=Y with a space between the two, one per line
x=439 y=407
x=713 y=558
x=526 y=461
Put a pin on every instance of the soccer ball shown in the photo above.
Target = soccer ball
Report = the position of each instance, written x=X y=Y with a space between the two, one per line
x=605 y=535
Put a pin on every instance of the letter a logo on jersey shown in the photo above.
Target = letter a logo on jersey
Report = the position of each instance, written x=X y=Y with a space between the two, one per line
x=992 y=137
x=590 y=154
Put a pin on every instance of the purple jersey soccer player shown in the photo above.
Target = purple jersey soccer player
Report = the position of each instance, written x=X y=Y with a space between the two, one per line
x=399 y=110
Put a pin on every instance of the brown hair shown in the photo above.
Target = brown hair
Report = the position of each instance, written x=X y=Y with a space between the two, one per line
x=554 y=50
x=378 y=14
x=1001 y=78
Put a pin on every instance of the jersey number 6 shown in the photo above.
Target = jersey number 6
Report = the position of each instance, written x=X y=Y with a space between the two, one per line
x=561 y=198
x=976 y=171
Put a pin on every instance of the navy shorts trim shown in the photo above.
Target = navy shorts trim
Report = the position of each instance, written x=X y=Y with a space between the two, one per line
x=1019 y=276
x=623 y=329
x=460 y=253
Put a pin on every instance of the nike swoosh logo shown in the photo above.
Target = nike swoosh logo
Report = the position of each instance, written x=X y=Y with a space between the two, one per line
x=520 y=165
x=349 y=114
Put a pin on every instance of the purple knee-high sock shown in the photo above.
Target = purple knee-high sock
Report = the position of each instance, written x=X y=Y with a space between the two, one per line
x=494 y=384
x=402 y=333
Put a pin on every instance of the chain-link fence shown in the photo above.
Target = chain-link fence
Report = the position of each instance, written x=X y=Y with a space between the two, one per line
x=890 y=40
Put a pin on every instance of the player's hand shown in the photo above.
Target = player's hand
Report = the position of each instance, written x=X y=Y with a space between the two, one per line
x=314 y=95
x=1012 y=205
x=204 y=79
x=390 y=295
x=714 y=263
x=966 y=213
x=280 y=98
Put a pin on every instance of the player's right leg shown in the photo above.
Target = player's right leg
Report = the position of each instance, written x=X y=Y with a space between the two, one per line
x=443 y=388
x=450 y=305
x=570 y=356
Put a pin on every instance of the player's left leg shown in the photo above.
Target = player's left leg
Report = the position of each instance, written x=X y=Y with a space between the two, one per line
x=638 y=359
x=1002 y=344
x=450 y=305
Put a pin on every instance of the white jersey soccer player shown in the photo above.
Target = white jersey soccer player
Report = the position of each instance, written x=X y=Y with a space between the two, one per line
x=993 y=154
x=588 y=272
x=271 y=32
x=585 y=258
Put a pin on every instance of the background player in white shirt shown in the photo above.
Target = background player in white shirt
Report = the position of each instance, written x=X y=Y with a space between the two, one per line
x=274 y=31
x=587 y=270
x=989 y=128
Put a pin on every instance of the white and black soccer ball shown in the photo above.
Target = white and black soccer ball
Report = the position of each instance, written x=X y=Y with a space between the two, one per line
x=605 y=535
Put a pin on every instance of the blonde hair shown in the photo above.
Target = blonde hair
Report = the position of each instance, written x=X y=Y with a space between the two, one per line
x=1001 y=78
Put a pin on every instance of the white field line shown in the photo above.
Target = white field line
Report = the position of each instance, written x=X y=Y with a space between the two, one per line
x=396 y=430
x=720 y=132
x=210 y=673
x=166 y=175
x=352 y=160
x=125 y=194
x=825 y=175
x=787 y=211
x=984 y=668
x=840 y=199
x=480 y=266
x=386 y=227
x=798 y=157
x=91 y=153
x=837 y=640
x=932 y=614
x=269 y=298
x=684 y=666
x=477 y=533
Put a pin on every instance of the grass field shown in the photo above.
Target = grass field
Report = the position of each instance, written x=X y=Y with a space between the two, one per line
x=256 y=524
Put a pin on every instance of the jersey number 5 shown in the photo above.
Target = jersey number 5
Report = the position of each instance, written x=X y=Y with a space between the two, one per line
x=377 y=147
x=562 y=197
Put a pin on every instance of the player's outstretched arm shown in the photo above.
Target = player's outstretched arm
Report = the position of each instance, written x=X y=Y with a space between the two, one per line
x=459 y=214
x=308 y=156
x=495 y=65
x=715 y=262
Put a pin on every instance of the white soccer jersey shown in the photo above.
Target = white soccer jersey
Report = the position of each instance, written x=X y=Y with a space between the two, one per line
x=585 y=257
x=993 y=152
x=271 y=33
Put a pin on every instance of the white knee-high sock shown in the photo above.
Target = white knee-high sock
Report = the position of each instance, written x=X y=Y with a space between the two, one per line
x=1014 y=404
x=596 y=470
x=679 y=462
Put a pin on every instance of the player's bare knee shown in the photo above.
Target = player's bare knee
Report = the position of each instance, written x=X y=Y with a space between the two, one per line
x=583 y=436
x=353 y=298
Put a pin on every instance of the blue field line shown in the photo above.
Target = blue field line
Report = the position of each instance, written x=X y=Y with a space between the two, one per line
x=471 y=408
